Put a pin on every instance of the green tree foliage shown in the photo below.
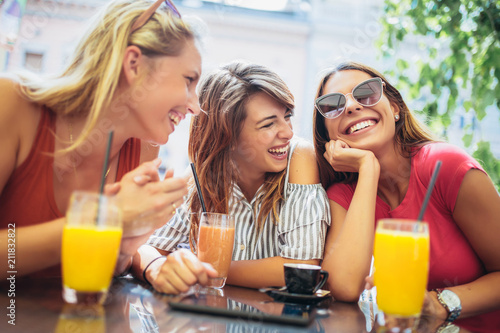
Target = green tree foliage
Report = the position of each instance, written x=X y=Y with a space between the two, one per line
x=460 y=66
x=488 y=161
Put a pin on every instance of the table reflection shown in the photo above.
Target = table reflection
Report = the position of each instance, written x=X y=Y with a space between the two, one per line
x=82 y=319
x=133 y=307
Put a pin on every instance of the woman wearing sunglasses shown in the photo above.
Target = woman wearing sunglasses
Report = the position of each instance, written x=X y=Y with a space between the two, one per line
x=376 y=161
x=134 y=72
x=250 y=166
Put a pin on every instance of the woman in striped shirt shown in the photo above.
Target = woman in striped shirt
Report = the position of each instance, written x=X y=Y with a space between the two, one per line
x=251 y=167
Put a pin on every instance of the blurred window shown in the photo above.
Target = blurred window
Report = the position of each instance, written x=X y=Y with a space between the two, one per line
x=33 y=61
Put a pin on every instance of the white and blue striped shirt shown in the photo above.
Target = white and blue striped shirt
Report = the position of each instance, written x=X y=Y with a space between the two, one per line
x=299 y=234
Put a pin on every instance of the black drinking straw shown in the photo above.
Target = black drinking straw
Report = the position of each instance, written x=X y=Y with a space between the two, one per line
x=103 y=177
x=106 y=160
x=429 y=191
x=198 y=188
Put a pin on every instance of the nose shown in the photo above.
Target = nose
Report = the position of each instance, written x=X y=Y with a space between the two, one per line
x=193 y=105
x=286 y=131
x=351 y=104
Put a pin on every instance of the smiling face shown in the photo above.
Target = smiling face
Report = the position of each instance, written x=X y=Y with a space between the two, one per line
x=360 y=126
x=169 y=93
x=264 y=140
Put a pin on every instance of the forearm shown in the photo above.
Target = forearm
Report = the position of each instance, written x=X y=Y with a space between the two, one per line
x=348 y=251
x=36 y=247
x=262 y=272
x=479 y=296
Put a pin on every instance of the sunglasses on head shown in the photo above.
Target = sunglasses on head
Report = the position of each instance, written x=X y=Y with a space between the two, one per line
x=367 y=93
x=144 y=17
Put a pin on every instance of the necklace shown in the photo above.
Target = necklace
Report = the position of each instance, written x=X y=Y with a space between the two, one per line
x=70 y=125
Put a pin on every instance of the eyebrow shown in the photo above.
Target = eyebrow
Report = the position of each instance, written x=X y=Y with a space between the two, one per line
x=267 y=118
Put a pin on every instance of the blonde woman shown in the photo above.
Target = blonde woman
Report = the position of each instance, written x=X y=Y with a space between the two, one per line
x=134 y=72
x=250 y=166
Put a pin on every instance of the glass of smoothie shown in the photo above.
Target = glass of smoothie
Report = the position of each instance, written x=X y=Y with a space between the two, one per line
x=215 y=244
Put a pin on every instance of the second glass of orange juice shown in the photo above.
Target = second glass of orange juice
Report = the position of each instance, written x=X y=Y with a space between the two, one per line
x=401 y=261
x=215 y=244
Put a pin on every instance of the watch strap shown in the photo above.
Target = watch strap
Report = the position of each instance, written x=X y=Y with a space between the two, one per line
x=448 y=327
x=452 y=313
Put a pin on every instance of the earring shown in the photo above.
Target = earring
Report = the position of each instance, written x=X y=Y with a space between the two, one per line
x=396 y=117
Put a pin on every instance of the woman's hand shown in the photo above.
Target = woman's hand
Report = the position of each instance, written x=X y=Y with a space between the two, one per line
x=178 y=271
x=343 y=158
x=147 y=203
x=431 y=308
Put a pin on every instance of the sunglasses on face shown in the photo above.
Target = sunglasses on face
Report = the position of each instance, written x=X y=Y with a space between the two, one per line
x=367 y=93
x=141 y=20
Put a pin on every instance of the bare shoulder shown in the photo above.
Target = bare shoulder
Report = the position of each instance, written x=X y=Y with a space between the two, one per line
x=16 y=109
x=18 y=123
x=476 y=213
x=10 y=97
x=14 y=105
x=303 y=165
x=149 y=151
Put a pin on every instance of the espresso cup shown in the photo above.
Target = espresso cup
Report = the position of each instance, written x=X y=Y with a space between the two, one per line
x=304 y=278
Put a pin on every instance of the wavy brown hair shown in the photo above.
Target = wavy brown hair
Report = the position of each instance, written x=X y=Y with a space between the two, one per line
x=213 y=136
x=410 y=133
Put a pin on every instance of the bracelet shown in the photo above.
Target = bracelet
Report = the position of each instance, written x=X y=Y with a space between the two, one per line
x=145 y=269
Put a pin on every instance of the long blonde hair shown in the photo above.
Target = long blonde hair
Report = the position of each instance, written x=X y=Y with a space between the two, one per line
x=410 y=132
x=213 y=136
x=89 y=82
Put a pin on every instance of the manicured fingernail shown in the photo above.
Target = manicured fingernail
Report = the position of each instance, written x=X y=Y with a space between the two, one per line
x=138 y=179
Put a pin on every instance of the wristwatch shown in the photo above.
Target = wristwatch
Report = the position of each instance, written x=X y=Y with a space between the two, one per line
x=451 y=303
x=448 y=327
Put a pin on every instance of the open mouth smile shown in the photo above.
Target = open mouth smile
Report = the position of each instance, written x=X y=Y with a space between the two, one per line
x=175 y=117
x=279 y=152
x=361 y=125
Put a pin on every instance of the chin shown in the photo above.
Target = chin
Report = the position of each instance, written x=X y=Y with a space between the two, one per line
x=163 y=138
x=158 y=141
x=277 y=168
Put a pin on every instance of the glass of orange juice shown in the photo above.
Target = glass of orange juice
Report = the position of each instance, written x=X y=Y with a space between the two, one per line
x=401 y=261
x=215 y=244
x=90 y=247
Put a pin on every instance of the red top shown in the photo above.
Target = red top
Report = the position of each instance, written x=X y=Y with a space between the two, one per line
x=28 y=196
x=453 y=261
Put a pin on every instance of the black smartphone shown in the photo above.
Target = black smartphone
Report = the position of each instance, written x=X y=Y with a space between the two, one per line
x=261 y=311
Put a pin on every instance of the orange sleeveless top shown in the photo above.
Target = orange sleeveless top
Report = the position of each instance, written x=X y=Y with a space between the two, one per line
x=28 y=196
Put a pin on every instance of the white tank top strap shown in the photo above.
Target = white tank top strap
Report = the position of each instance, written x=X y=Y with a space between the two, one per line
x=293 y=145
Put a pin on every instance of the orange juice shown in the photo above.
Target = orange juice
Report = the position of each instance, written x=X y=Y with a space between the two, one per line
x=401 y=270
x=215 y=246
x=89 y=255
